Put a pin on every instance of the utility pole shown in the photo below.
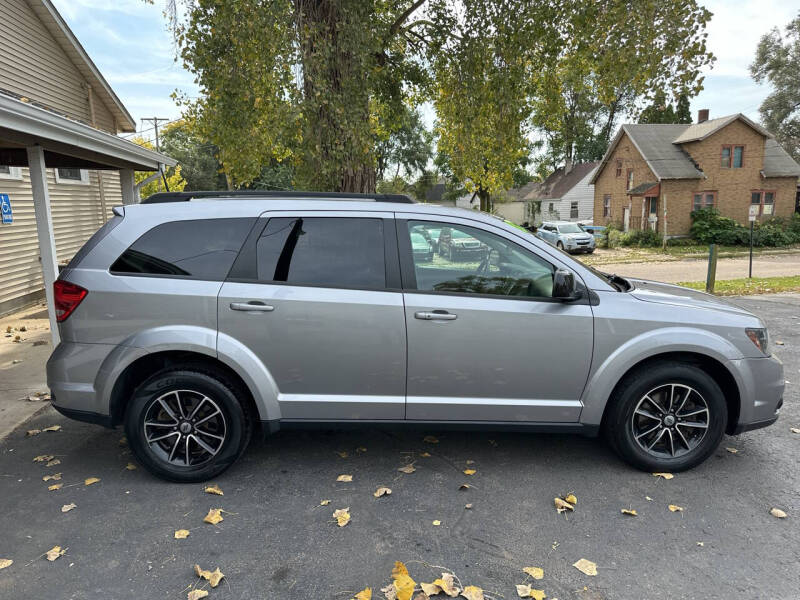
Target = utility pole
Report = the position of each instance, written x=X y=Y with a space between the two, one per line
x=155 y=121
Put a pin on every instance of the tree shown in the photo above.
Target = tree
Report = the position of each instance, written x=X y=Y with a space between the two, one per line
x=660 y=111
x=403 y=144
x=682 y=112
x=175 y=181
x=778 y=62
x=197 y=157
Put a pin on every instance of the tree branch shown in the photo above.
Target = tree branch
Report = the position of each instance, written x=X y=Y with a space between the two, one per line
x=403 y=16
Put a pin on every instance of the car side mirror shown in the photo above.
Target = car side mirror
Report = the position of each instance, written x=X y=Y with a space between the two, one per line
x=564 y=285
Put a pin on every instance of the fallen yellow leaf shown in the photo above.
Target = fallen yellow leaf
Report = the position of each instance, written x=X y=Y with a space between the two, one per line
x=130 y=466
x=562 y=505
x=197 y=594
x=408 y=469
x=648 y=498
x=53 y=462
x=360 y=450
x=472 y=592
x=526 y=591
x=430 y=589
x=32 y=432
x=346 y=478
x=794 y=429
x=448 y=585
x=181 y=534
x=586 y=567
x=342 y=516
x=54 y=477
x=470 y=462
x=777 y=512
x=436 y=523
x=342 y=454
x=425 y=455
x=213 y=577
x=629 y=511
x=55 y=486
x=664 y=475
x=732 y=450
x=52 y=428
x=571 y=499
x=68 y=507
x=464 y=486
x=214 y=516
x=398 y=569
x=43 y=458
x=213 y=489
x=469 y=471
x=91 y=480
x=402 y=582
x=468 y=506
x=701 y=544
x=535 y=572
x=55 y=552
x=5 y=562
x=365 y=594
x=382 y=491
x=675 y=508
x=324 y=502
x=431 y=439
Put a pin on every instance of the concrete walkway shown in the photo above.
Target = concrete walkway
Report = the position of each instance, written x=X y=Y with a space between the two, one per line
x=23 y=353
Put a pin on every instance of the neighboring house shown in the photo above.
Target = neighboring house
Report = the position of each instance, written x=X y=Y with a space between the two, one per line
x=730 y=164
x=514 y=206
x=567 y=194
x=61 y=163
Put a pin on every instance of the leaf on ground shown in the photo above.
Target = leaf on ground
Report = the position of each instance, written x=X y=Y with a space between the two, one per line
x=361 y=450
x=586 y=567
x=431 y=439
x=464 y=486
x=469 y=471
x=55 y=486
x=68 y=507
x=470 y=462
x=778 y=343
x=345 y=478
x=5 y=562
x=778 y=513
x=402 y=582
x=794 y=429
x=52 y=428
x=181 y=534
x=382 y=491
x=675 y=508
x=54 y=553
x=526 y=591
x=408 y=469
x=701 y=544
x=430 y=589
x=732 y=450
x=213 y=489
x=664 y=475
x=32 y=432
x=91 y=480
x=365 y=594
x=54 y=462
x=629 y=511
x=398 y=569
x=197 y=594
x=131 y=467
x=447 y=582
x=212 y=577
x=468 y=506
x=342 y=516
x=54 y=477
x=562 y=505
x=389 y=592
x=472 y=592
x=571 y=498
x=535 y=572
x=324 y=502
x=214 y=516
x=436 y=523
x=342 y=453
x=648 y=498
x=43 y=458
x=425 y=455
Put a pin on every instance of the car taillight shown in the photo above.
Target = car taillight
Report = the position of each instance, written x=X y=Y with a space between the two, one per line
x=66 y=297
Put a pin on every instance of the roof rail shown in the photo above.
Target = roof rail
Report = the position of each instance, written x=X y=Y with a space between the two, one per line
x=162 y=197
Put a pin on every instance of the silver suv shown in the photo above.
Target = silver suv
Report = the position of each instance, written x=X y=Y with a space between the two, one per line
x=194 y=322
x=566 y=235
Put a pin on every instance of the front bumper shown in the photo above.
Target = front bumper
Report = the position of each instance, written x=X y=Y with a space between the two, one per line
x=761 y=385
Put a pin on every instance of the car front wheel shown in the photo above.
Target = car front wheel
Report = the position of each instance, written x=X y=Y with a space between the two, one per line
x=187 y=424
x=668 y=417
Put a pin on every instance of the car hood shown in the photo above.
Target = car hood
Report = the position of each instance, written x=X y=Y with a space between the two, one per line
x=667 y=293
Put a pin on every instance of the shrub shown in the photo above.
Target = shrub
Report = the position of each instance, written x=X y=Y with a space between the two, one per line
x=709 y=227
x=642 y=238
x=681 y=241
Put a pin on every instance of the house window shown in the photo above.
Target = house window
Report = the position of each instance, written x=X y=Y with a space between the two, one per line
x=551 y=208
x=7 y=172
x=573 y=210
x=629 y=183
x=704 y=200
x=732 y=157
x=619 y=168
x=76 y=176
x=765 y=200
x=607 y=205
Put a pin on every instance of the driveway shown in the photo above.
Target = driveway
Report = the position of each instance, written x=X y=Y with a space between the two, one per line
x=276 y=541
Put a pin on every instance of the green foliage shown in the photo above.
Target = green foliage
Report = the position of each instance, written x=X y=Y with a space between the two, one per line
x=660 y=111
x=404 y=143
x=173 y=175
x=681 y=242
x=709 y=227
x=683 y=114
x=777 y=62
x=197 y=157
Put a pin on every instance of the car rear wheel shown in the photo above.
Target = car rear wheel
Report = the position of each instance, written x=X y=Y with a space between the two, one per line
x=670 y=416
x=187 y=424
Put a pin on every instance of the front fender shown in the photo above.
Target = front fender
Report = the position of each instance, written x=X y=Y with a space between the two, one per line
x=612 y=368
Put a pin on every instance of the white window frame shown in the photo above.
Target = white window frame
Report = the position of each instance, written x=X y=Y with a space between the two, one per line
x=84 y=180
x=574 y=206
x=15 y=173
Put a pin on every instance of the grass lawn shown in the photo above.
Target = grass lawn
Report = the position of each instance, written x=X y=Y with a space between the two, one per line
x=632 y=254
x=745 y=287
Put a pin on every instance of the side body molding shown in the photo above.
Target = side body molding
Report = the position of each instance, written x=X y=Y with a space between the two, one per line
x=611 y=368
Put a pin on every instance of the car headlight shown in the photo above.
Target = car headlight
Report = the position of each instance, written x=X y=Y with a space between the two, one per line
x=759 y=337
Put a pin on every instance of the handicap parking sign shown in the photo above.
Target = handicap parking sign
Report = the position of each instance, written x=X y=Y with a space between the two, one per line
x=5 y=209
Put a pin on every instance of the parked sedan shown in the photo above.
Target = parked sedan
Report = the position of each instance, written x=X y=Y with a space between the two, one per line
x=598 y=231
x=567 y=236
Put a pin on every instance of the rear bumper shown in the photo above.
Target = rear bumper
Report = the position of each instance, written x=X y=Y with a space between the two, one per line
x=81 y=415
x=73 y=371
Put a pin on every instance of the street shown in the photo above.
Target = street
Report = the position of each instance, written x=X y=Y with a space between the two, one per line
x=276 y=541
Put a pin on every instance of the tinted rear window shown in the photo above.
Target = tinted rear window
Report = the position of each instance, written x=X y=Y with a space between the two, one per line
x=200 y=249
x=96 y=238
x=325 y=251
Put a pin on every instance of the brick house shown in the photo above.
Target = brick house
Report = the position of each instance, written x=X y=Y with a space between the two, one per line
x=655 y=171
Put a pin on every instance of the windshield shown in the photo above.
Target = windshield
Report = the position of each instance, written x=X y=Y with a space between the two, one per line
x=569 y=228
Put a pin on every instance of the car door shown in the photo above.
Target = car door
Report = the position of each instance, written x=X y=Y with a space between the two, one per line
x=316 y=296
x=486 y=340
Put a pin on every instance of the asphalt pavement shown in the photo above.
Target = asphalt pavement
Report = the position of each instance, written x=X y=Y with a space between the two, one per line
x=276 y=541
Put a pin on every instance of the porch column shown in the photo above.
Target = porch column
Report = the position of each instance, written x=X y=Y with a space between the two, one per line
x=44 y=231
x=126 y=181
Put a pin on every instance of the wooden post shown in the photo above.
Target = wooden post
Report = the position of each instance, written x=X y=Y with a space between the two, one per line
x=712 y=269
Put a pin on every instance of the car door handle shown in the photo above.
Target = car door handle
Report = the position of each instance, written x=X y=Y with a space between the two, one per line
x=436 y=315
x=252 y=306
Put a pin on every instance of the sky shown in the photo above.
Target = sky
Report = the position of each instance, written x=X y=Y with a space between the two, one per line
x=130 y=44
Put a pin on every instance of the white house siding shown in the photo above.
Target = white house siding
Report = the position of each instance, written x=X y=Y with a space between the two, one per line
x=512 y=211
x=583 y=193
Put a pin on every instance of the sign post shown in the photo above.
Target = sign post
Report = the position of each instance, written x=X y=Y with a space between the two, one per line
x=751 y=216
x=5 y=210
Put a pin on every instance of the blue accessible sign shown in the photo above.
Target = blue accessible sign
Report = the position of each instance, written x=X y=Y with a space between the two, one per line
x=5 y=209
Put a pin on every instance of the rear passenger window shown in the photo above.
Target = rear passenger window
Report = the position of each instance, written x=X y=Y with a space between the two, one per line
x=324 y=251
x=200 y=249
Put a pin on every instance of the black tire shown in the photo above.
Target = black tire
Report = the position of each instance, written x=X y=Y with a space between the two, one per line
x=619 y=418
x=559 y=245
x=225 y=395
